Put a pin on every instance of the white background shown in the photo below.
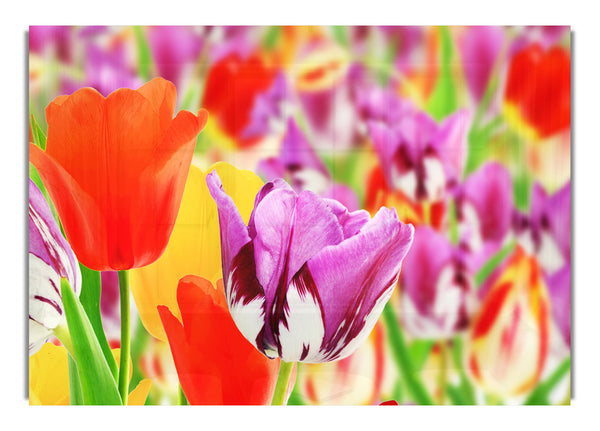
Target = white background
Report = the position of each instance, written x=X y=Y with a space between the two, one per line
x=16 y=17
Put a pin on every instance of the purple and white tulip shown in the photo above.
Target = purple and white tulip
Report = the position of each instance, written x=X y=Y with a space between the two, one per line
x=306 y=280
x=419 y=157
x=50 y=259
x=436 y=289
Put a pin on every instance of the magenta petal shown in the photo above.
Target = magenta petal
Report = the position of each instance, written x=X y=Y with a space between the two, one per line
x=429 y=253
x=479 y=48
x=234 y=233
x=489 y=191
x=435 y=287
x=351 y=222
x=355 y=279
x=451 y=143
x=559 y=288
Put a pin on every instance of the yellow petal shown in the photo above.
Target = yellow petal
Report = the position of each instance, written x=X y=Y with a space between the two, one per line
x=138 y=396
x=195 y=245
x=49 y=376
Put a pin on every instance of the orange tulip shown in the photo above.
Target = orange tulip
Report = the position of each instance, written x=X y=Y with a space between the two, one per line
x=115 y=169
x=510 y=335
x=215 y=363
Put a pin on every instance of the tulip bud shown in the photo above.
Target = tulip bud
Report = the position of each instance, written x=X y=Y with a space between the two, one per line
x=508 y=340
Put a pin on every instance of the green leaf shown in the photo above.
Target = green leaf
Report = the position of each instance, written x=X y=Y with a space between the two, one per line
x=541 y=394
x=465 y=389
x=144 y=54
x=401 y=355
x=90 y=300
x=98 y=385
x=443 y=101
x=75 y=395
x=39 y=138
x=419 y=352
x=493 y=263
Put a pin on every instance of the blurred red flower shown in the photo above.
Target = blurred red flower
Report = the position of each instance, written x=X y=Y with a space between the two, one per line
x=231 y=88
x=538 y=91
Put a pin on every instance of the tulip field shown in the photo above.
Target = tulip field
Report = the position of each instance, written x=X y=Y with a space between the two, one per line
x=299 y=215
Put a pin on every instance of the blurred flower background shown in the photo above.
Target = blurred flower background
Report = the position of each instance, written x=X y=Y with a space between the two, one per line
x=465 y=131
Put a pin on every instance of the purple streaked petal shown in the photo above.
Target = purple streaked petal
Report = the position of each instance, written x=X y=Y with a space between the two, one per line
x=246 y=297
x=353 y=275
x=290 y=229
x=559 y=289
x=301 y=328
x=233 y=230
x=479 y=48
x=47 y=242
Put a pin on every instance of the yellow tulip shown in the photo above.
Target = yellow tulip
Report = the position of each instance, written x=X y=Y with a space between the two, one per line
x=49 y=378
x=195 y=245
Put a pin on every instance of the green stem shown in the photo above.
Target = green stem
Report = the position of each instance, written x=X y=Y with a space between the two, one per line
x=402 y=357
x=125 y=335
x=283 y=379
x=443 y=376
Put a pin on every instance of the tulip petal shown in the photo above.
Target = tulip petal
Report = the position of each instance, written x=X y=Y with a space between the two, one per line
x=356 y=278
x=234 y=233
x=162 y=95
x=301 y=328
x=80 y=216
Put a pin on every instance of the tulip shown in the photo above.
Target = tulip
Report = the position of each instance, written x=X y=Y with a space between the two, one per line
x=215 y=363
x=115 y=169
x=194 y=246
x=537 y=100
x=435 y=287
x=175 y=49
x=546 y=232
x=323 y=84
x=509 y=337
x=420 y=157
x=306 y=280
x=479 y=48
x=49 y=376
x=231 y=90
x=50 y=259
